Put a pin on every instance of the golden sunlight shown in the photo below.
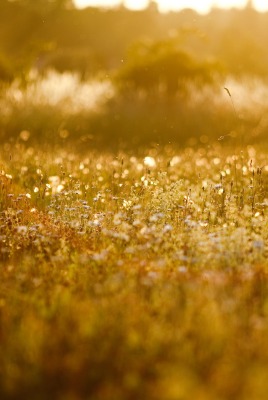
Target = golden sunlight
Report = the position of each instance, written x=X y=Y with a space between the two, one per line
x=136 y=4
x=166 y=5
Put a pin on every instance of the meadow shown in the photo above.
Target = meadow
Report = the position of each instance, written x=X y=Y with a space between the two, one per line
x=133 y=275
x=133 y=203
x=84 y=113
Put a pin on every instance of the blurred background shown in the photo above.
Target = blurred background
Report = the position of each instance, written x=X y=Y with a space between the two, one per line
x=126 y=74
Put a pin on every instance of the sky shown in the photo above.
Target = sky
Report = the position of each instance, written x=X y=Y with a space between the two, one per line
x=202 y=6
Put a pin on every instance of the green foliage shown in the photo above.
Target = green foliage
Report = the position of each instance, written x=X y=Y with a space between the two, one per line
x=163 y=68
x=243 y=52
x=95 y=114
x=6 y=71
x=221 y=36
x=82 y=61
x=44 y=7
x=139 y=273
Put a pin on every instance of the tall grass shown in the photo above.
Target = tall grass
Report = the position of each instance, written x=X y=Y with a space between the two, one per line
x=61 y=108
x=133 y=277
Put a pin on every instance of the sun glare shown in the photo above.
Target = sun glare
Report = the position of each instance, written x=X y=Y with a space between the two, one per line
x=200 y=6
x=97 y=3
x=136 y=4
x=261 y=5
x=166 y=5
x=231 y=3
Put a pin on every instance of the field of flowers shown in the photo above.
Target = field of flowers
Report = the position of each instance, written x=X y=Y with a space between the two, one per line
x=133 y=276
x=94 y=114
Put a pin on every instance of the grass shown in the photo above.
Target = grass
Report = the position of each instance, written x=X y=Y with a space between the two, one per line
x=136 y=276
x=84 y=113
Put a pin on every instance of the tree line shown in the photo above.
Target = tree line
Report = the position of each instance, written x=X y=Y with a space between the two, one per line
x=44 y=34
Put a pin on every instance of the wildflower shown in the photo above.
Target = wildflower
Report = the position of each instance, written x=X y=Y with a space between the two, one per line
x=149 y=162
x=258 y=244
x=22 y=229
x=167 y=228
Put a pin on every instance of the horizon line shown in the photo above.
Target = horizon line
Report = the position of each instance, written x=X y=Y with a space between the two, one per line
x=157 y=6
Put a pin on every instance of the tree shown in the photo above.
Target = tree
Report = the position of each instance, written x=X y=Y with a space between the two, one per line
x=45 y=6
x=163 y=66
